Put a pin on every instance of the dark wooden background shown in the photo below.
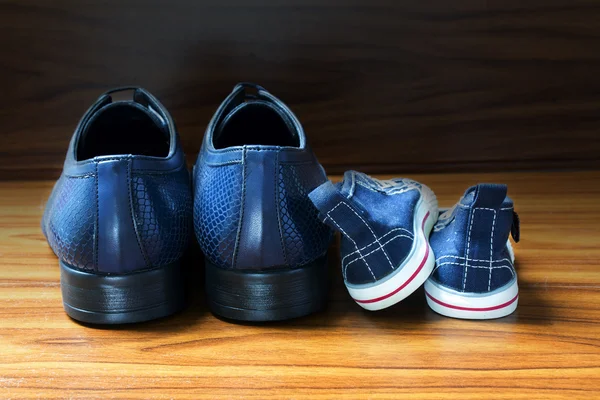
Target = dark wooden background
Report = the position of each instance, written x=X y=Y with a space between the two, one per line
x=381 y=86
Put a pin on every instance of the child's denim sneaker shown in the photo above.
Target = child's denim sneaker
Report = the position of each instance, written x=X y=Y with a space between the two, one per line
x=474 y=276
x=264 y=245
x=385 y=227
x=120 y=216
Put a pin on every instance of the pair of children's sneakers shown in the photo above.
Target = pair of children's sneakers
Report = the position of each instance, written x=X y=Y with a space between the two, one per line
x=394 y=241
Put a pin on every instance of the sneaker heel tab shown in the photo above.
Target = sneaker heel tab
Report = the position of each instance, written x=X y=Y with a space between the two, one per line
x=490 y=195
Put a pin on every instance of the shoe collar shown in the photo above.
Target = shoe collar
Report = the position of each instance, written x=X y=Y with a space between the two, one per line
x=141 y=98
x=247 y=92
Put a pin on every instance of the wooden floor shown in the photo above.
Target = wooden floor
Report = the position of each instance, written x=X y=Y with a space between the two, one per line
x=550 y=348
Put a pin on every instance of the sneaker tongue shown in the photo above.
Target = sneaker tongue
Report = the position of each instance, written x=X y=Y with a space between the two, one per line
x=347 y=184
x=469 y=196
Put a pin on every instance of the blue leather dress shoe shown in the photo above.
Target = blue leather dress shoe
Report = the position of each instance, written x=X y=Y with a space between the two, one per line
x=120 y=215
x=385 y=227
x=474 y=277
x=264 y=246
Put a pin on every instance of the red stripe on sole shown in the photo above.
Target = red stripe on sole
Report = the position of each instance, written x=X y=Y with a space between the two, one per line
x=409 y=279
x=508 y=303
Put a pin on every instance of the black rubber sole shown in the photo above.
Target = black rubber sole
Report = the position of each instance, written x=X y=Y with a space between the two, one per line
x=267 y=296
x=122 y=299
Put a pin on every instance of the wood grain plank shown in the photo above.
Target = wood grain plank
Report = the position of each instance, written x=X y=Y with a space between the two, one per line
x=550 y=348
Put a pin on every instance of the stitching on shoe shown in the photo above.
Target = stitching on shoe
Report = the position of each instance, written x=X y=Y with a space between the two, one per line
x=373 y=233
x=476 y=266
x=352 y=240
x=380 y=238
x=472 y=259
x=491 y=250
x=373 y=251
x=241 y=219
x=466 y=269
x=479 y=208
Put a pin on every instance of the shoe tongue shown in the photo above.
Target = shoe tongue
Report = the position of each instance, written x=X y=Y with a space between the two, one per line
x=134 y=94
x=124 y=99
x=263 y=122
x=469 y=196
x=346 y=186
x=136 y=97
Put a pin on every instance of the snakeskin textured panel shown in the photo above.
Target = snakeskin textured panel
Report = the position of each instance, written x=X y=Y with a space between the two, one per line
x=69 y=221
x=305 y=237
x=162 y=206
x=217 y=211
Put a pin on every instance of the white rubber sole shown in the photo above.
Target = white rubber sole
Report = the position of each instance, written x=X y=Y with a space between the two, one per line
x=416 y=268
x=456 y=305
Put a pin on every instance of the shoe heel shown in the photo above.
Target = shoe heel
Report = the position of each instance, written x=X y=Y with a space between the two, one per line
x=120 y=299
x=269 y=295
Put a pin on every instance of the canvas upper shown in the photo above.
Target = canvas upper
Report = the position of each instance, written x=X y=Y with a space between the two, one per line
x=251 y=180
x=123 y=202
x=470 y=241
x=376 y=219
